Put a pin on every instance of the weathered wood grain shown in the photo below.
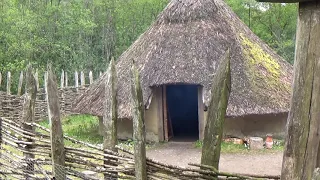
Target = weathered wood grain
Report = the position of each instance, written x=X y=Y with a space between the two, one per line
x=28 y=113
x=57 y=143
x=110 y=118
x=139 y=132
x=220 y=92
x=302 y=141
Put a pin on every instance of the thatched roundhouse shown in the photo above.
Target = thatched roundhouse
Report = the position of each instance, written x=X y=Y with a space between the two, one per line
x=177 y=58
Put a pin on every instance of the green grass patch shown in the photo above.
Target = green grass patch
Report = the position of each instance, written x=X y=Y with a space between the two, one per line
x=81 y=127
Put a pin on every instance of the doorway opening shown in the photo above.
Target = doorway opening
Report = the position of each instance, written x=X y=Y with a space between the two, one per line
x=182 y=111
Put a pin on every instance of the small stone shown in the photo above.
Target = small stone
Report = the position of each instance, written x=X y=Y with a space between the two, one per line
x=256 y=143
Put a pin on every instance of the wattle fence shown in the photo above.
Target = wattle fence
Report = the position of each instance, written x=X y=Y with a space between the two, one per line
x=11 y=104
x=31 y=151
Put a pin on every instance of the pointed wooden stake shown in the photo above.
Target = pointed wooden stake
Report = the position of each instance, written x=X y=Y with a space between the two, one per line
x=90 y=77
x=110 y=139
x=28 y=114
x=20 y=83
x=76 y=79
x=139 y=133
x=9 y=83
x=220 y=92
x=57 y=144
x=62 y=79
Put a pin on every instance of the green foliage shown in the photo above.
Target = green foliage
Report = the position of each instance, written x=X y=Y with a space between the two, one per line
x=72 y=35
x=274 y=23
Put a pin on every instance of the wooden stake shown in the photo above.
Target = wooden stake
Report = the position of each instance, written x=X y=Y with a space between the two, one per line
x=76 y=78
x=0 y=79
x=28 y=114
x=9 y=83
x=216 y=114
x=90 y=77
x=82 y=79
x=20 y=83
x=36 y=76
x=301 y=147
x=62 y=79
x=139 y=133
x=57 y=145
x=66 y=79
x=110 y=139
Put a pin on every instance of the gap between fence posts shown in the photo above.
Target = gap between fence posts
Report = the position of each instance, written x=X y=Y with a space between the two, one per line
x=139 y=133
x=110 y=117
x=28 y=116
x=56 y=134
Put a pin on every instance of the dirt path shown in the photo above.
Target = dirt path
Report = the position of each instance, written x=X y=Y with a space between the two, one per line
x=182 y=153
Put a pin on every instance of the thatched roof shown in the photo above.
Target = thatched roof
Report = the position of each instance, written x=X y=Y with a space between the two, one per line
x=185 y=45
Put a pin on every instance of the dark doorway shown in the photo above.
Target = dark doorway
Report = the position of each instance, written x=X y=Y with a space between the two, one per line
x=182 y=111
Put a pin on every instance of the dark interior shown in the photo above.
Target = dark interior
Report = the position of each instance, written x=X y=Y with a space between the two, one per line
x=182 y=109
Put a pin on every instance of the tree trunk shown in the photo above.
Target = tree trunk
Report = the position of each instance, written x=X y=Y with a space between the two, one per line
x=302 y=141
x=57 y=145
x=139 y=133
x=110 y=118
x=216 y=114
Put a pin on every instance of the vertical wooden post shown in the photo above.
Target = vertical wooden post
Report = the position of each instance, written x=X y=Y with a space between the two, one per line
x=139 y=133
x=220 y=92
x=0 y=79
x=76 y=79
x=90 y=78
x=82 y=79
x=302 y=141
x=28 y=114
x=36 y=76
x=66 y=79
x=20 y=83
x=57 y=144
x=9 y=83
x=110 y=117
x=62 y=79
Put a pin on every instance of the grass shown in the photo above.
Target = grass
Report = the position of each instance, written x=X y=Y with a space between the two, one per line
x=81 y=127
x=229 y=147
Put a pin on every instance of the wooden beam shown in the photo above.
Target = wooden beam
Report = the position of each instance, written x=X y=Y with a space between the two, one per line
x=139 y=132
x=110 y=118
x=284 y=1
x=220 y=92
x=301 y=147
x=56 y=134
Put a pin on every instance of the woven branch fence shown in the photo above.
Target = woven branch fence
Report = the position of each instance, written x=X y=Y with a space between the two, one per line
x=83 y=160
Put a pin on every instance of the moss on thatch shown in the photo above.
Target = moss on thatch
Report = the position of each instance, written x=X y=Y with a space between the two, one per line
x=185 y=45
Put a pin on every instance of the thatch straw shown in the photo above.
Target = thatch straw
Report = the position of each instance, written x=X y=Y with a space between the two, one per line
x=185 y=45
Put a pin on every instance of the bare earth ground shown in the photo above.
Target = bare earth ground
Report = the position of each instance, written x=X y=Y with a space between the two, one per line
x=182 y=153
